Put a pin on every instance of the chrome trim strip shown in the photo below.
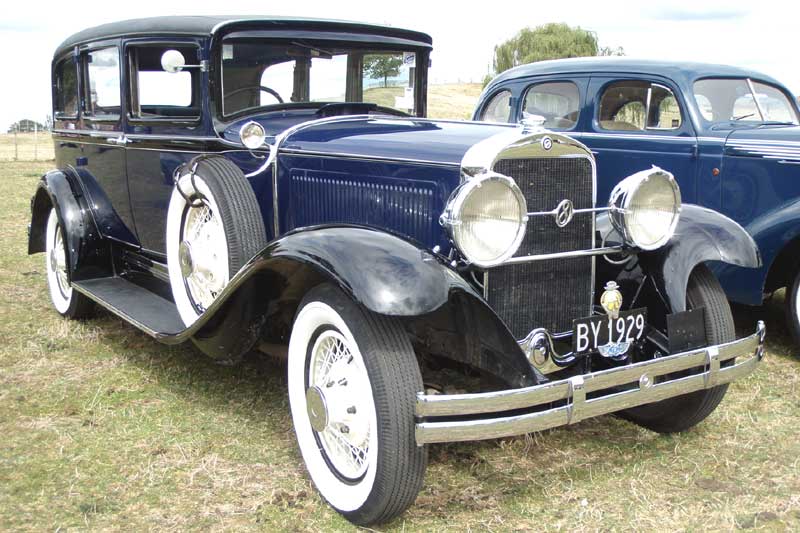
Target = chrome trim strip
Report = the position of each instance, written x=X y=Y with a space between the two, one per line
x=362 y=157
x=749 y=351
x=565 y=255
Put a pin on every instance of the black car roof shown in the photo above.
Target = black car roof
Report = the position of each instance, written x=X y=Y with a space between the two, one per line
x=209 y=25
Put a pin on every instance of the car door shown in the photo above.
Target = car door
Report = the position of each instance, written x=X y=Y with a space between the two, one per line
x=164 y=131
x=637 y=122
x=102 y=165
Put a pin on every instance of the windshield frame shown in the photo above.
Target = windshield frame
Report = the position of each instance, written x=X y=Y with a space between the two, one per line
x=374 y=44
x=710 y=124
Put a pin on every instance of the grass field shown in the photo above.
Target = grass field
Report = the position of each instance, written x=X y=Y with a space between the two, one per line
x=103 y=428
x=26 y=147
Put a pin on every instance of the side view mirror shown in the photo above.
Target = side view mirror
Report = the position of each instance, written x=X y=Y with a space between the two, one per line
x=172 y=61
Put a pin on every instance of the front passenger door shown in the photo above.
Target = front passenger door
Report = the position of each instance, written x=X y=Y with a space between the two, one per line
x=636 y=124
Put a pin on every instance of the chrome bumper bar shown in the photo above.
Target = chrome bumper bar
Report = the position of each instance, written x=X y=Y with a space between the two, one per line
x=642 y=379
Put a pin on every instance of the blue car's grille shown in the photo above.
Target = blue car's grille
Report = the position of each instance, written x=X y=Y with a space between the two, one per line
x=329 y=198
x=547 y=294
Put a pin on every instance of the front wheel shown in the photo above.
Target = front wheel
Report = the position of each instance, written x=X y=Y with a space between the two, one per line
x=353 y=380
x=683 y=412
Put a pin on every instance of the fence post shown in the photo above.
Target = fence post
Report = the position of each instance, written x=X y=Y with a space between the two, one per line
x=16 y=152
x=35 y=141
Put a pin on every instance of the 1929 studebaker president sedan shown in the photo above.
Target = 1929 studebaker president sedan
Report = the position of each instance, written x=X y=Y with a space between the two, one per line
x=731 y=136
x=242 y=183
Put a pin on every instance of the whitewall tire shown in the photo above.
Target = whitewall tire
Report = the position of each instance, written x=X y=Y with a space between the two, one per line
x=214 y=227
x=66 y=300
x=793 y=309
x=353 y=379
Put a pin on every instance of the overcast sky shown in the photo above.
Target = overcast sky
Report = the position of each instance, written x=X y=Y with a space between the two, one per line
x=760 y=35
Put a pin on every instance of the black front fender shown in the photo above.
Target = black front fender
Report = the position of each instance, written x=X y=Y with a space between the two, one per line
x=384 y=273
x=702 y=235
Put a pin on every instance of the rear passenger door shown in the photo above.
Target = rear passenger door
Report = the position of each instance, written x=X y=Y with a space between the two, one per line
x=102 y=165
x=636 y=123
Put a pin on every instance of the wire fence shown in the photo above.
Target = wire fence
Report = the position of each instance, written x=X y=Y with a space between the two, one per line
x=26 y=146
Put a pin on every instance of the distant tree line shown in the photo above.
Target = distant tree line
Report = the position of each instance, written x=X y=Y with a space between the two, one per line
x=549 y=41
x=27 y=125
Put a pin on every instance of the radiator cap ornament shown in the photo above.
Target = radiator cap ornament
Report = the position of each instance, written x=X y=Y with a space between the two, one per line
x=611 y=300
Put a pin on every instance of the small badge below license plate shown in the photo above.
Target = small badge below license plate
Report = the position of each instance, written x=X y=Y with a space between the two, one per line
x=611 y=336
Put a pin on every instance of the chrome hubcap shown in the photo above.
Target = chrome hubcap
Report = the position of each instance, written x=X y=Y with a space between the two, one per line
x=317 y=410
x=185 y=258
x=338 y=403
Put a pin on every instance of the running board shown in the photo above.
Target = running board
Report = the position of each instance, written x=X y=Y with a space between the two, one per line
x=141 y=307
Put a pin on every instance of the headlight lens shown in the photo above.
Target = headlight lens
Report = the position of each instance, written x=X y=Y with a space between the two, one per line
x=252 y=135
x=645 y=208
x=486 y=218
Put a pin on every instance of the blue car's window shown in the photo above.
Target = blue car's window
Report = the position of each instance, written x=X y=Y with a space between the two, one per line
x=258 y=73
x=498 y=109
x=557 y=102
x=66 y=97
x=636 y=105
x=733 y=100
x=102 y=73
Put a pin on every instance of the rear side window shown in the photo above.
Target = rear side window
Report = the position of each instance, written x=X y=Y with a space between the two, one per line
x=498 y=109
x=66 y=89
x=557 y=102
x=156 y=93
x=635 y=105
x=102 y=88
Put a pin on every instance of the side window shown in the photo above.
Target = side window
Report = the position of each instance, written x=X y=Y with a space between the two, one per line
x=557 y=102
x=156 y=93
x=638 y=106
x=622 y=106
x=101 y=69
x=66 y=89
x=498 y=109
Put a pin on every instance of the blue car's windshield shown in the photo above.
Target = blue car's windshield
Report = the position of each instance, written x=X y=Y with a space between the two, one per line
x=258 y=73
x=725 y=100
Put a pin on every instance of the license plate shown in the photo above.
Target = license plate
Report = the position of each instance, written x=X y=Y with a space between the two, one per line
x=612 y=336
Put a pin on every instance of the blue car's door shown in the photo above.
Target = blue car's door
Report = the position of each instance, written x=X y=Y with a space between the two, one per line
x=635 y=123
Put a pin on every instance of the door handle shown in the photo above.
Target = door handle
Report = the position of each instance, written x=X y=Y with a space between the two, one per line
x=121 y=140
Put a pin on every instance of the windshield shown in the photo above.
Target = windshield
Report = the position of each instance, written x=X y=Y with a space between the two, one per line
x=742 y=100
x=258 y=73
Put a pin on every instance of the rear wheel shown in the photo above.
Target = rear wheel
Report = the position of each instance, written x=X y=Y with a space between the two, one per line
x=353 y=380
x=67 y=301
x=683 y=412
x=793 y=308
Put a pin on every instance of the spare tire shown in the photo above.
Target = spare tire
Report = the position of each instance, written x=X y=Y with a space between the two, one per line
x=214 y=226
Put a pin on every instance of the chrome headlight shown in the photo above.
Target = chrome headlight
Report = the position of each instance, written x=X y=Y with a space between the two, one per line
x=645 y=208
x=486 y=218
x=252 y=135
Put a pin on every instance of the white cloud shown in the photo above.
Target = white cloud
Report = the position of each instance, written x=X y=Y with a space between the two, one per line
x=761 y=36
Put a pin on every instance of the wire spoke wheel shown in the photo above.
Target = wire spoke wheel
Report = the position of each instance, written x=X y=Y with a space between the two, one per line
x=339 y=381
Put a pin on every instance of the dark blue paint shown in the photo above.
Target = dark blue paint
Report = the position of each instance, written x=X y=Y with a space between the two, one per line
x=758 y=191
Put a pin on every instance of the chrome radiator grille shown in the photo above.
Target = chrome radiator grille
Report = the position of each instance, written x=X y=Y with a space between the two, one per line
x=551 y=293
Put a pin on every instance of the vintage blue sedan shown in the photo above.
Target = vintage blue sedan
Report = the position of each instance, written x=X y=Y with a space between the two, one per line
x=730 y=136
x=268 y=183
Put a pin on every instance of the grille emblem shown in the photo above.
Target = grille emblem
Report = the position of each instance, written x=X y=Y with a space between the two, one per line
x=547 y=143
x=563 y=213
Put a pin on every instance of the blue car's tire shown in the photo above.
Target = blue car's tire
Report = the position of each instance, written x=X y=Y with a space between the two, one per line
x=793 y=310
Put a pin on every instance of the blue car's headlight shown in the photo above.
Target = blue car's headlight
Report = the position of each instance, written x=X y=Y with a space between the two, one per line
x=645 y=208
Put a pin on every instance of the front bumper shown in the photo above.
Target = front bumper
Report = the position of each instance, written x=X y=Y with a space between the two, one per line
x=464 y=417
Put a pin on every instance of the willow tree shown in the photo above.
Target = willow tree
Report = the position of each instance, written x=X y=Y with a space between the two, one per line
x=549 y=41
